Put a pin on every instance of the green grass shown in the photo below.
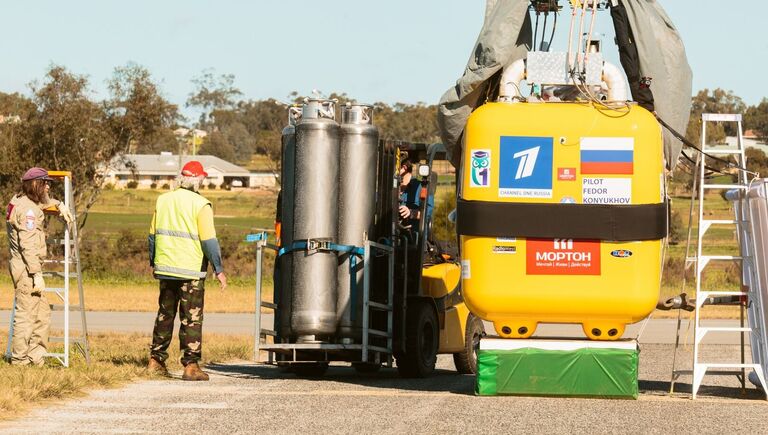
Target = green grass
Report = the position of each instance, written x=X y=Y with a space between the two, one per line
x=243 y=203
x=113 y=223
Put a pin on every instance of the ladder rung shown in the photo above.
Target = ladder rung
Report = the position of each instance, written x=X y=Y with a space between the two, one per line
x=724 y=186
x=707 y=294
x=72 y=275
x=721 y=151
x=71 y=339
x=726 y=365
x=59 y=241
x=720 y=257
x=721 y=117
x=705 y=329
x=378 y=333
x=59 y=307
x=269 y=305
x=379 y=306
x=718 y=221
x=268 y=332
x=54 y=290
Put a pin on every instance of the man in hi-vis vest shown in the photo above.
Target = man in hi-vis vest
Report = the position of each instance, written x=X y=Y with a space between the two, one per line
x=182 y=240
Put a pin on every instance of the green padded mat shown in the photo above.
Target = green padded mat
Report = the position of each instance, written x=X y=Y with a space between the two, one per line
x=588 y=372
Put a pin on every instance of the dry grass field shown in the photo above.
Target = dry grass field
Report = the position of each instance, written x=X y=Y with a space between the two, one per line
x=116 y=359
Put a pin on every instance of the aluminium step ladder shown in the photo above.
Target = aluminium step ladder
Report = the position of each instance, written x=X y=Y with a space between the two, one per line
x=749 y=294
x=70 y=258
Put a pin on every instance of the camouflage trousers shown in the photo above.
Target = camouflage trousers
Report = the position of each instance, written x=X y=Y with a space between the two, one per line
x=186 y=297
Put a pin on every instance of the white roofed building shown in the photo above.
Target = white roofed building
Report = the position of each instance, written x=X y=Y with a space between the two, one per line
x=161 y=169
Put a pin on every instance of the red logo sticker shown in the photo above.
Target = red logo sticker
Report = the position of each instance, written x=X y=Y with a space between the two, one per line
x=8 y=212
x=566 y=174
x=562 y=257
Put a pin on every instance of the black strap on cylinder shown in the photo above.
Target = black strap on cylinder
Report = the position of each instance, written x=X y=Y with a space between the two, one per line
x=573 y=221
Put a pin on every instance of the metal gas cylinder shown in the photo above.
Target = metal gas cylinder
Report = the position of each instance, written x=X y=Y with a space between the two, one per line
x=358 y=152
x=287 y=158
x=315 y=214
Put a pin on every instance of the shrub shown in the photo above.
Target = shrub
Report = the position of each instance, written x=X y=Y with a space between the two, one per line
x=166 y=186
x=132 y=184
x=677 y=229
x=153 y=185
x=108 y=186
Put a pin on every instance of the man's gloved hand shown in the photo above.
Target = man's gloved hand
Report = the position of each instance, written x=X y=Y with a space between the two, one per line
x=38 y=284
x=65 y=213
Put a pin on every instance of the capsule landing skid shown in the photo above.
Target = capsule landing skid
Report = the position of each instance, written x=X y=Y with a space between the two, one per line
x=603 y=330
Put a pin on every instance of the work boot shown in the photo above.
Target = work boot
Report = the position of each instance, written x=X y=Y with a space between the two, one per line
x=192 y=372
x=157 y=367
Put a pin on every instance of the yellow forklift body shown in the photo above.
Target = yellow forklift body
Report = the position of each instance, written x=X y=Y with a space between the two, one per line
x=438 y=281
x=561 y=153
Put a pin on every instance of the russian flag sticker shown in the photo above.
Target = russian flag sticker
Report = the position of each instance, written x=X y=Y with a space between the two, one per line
x=607 y=155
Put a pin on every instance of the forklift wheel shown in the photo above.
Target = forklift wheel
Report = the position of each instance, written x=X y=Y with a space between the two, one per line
x=310 y=370
x=421 y=342
x=466 y=361
x=366 y=368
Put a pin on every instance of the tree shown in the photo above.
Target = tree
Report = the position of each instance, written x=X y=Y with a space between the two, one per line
x=756 y=118
x=216 y=144
x=756 y=161
x=16 y=111
x=720 y=101
x=212 y=93
x=141 y=119
x=410 y=122
x=70 y=132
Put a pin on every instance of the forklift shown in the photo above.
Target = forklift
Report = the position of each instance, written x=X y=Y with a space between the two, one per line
x=413 y=308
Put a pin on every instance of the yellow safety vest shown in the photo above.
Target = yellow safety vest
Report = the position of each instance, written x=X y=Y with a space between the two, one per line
x=177 y=243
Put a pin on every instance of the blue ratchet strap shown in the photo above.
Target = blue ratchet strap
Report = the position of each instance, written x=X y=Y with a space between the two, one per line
x=320 y=245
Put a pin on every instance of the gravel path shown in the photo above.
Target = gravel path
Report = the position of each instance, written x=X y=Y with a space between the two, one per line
x=247 y=398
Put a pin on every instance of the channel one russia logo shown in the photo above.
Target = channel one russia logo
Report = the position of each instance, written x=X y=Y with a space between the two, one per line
x=525 y=167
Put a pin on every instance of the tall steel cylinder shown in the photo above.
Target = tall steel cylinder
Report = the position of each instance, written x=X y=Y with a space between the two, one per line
x=283 y=290
x=358 y=149
x=315 y=214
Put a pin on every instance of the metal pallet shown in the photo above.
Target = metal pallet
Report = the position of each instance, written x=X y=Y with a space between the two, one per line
x=70 y=258
x=749 y=295
x=327 y=350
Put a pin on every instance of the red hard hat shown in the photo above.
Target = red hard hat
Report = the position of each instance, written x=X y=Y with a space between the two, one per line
x=193 y=169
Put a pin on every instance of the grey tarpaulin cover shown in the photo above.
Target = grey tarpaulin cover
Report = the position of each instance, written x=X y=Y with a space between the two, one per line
x=506 y=37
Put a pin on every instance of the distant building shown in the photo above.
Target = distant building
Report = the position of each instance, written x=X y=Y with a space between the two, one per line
x=751 y=140
x=163 y=168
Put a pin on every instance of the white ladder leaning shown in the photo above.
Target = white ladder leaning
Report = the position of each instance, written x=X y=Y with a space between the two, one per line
x=749 y=293
x=70 y=258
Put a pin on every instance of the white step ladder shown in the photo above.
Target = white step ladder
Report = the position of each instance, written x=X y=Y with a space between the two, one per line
x=749 y=294
x=70 y=258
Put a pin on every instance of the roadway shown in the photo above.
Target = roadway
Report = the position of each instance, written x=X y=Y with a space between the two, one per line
x=243 y=397
x=658 y=331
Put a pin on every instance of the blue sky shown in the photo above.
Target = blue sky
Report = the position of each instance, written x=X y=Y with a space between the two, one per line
x=391 y=51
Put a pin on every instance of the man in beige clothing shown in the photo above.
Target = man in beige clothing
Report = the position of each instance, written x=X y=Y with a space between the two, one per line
x=26 y=239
